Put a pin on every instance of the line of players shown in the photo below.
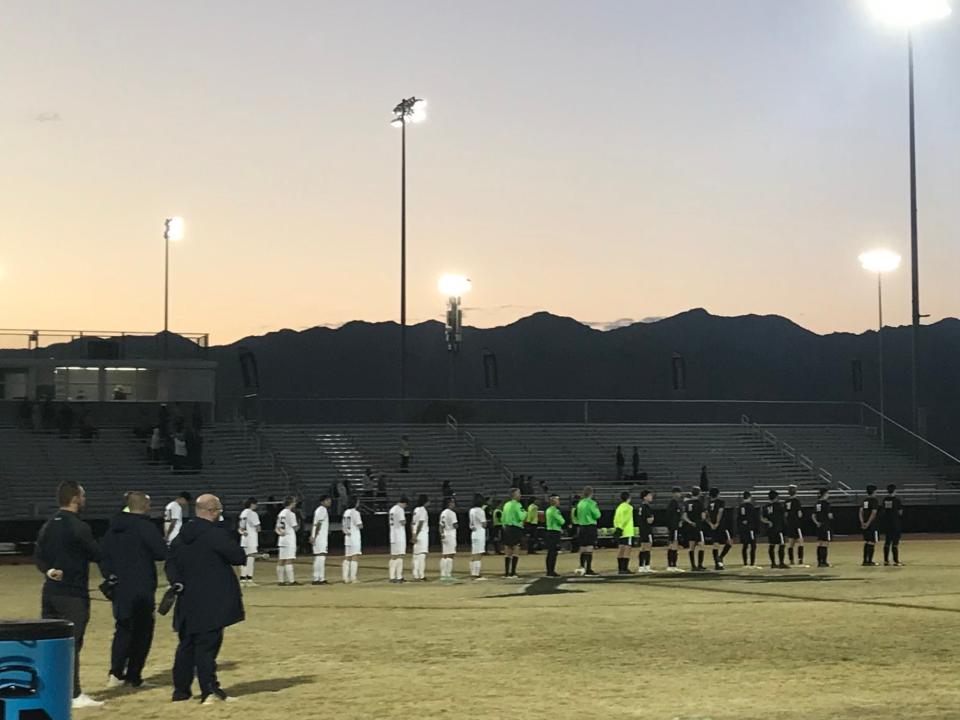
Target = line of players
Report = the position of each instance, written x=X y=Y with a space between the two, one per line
x=693 y=522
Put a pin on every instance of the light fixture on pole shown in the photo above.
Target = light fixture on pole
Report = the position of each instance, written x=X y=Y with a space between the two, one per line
x=454 y=287
x=172 y=230
x=909 y=14
x=408 y=110
x=880 y=262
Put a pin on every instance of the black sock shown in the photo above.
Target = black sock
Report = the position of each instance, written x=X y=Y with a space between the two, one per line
x=800 y=554
x=700 y=558
x=873 y=550
x=646 y=558
x=780 y=553
x=513 y=565
x=886 y=552
x=693 y=561
x=506 y=565
x=896 y=553
x=671 y=558
x=753 y=553
x=866 y=552
x=589 y=562
x=826 y=549
x=743 y=553
x=716 y=557
x=819 y=555
x=773 y=554
x=791 y=556
x=723 y=553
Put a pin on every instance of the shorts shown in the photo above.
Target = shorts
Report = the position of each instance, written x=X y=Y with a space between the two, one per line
x=320 y=545
x=398 y=545
x=824 y=534
x=673 y=536
x=249 y=548
x=775 y=537
x=645 y=539
x=794 y=533
x=587 y=534
x=448 y=545
x=721 y=536
x=871 y=535
x=892 y=536
x=512 y=535
x=352 y=547
x=287 y=552
x=625 y=540
x=747 y=537
x=478 y=542
x=691 y=535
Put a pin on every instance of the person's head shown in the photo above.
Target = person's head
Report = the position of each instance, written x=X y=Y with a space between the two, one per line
x=695 y=491
x=514 y=493
x=250 y=504
x=714 y=493
x=576 y=499
x=422 y=500
x=646 y=496
x=184 y=498
x=451 y=502
x=588 y=492
x=353 y=502
x=823 y=493
x=676 y=492
x=208 y=507
x=891 y=489
x=478 y=500
x=791 y=490
x=624 y=496
x=71 y=496
x=871 y=489
x=403 y=502
x=138 y=502
x=773 y=495
x=289 y=502
x=747 y=496
x=555 y=500
x=326 y=501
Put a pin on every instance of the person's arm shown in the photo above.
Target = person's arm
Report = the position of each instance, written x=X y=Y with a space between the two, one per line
x=84 y=535
x=172 y=567
x=873 y=516
x=154 y=542
x=314 y=529
x=816 y=512
x=860 y=516
x=763 y=519
x=231 y=553
x=685 y=519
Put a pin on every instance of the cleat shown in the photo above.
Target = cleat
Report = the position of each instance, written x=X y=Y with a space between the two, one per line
x=113 y=681
x=592 y=573
x=898 y=564
x=84 y=701
x=217 y=696
x=476 y=578
x=781 y=566
x=886 y=563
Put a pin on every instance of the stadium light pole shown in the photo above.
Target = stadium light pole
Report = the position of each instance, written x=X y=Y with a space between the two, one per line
x=408 y=110
x=172 y=230
x=908 y=14
x=880 y=262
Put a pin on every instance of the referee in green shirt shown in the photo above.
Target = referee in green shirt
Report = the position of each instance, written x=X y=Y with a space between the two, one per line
x=512 y=518
x=588 y=514
x=555 y=522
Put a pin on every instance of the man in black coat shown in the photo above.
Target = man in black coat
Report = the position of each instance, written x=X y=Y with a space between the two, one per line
x=200 y=567
x=132 y=547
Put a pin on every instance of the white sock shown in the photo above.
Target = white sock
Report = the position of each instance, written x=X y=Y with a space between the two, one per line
x=346 y=571
x=354 y=567
x=316 y=568
x=393 y=568
x=414 y=569
x=290 y=575
x=248 y=570
x=281 y=573
x=400 y=568
x=420 y=566
x=475 y=568
x=321 y=563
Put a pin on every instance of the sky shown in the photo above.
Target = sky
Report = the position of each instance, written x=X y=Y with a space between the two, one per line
x=602 y=160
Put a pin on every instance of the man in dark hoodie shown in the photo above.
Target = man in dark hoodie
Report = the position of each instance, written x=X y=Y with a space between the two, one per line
x=132 y=547
x=200 y=568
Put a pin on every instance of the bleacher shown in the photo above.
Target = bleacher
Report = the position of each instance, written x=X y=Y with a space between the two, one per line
x=31 y=465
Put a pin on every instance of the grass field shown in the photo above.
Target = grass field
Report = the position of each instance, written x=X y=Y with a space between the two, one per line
x=846 y=642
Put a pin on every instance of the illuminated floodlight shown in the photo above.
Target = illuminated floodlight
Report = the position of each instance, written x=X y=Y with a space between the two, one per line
x=909 y=13
x=880 y=261
x=454 y=285
x=173 y=228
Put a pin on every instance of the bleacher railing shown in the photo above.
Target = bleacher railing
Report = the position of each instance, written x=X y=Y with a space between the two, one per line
x=479 y=449
x=792 y=454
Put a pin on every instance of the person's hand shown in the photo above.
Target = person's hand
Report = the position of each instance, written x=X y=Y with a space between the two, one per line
x=177 y=588
x=55 y=575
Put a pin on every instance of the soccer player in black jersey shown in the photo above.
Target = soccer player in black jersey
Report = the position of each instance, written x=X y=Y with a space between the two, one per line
x=693 y=521
x=823 y=519
x=891 y=521
x=645 y=529
x=869 y=510
x=748 y=525
x=773 y=518
x=717 y=522
x=793 y=521
x=674 y=516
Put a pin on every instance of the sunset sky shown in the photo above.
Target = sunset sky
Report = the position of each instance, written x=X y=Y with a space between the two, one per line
x=603 y=160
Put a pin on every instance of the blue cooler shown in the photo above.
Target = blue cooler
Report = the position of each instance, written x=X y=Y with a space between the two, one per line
x=36 y=669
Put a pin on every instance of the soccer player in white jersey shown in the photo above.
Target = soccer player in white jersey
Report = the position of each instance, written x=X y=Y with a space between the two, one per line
x=448 y=540
x=397 y=519
x=478 y=536
x=352 y=525
x=249 y=528
x=173 y=516
x=286 y=529
x=420 y=536
x=318 y=538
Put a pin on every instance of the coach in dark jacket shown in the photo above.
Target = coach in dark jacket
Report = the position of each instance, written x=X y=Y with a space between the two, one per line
x=201 y=566
x=131 y=549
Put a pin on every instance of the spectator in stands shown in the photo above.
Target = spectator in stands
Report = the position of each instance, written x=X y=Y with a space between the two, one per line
x=620 y=462
x=49 y=414
x=635 y=462
x=446 y=491
x=194 y=449
x=544 y=492
x=65 y=420
x=163 y=420
x=704 y=480
x=404 y=454
x=381 y=492
x=532 y=525
x=343 y=495
x=154 y=446
x=36 y=417
x=24 y=414
x=119 y=393
x=179 y=451
x=369 y=479
x=196 y=419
